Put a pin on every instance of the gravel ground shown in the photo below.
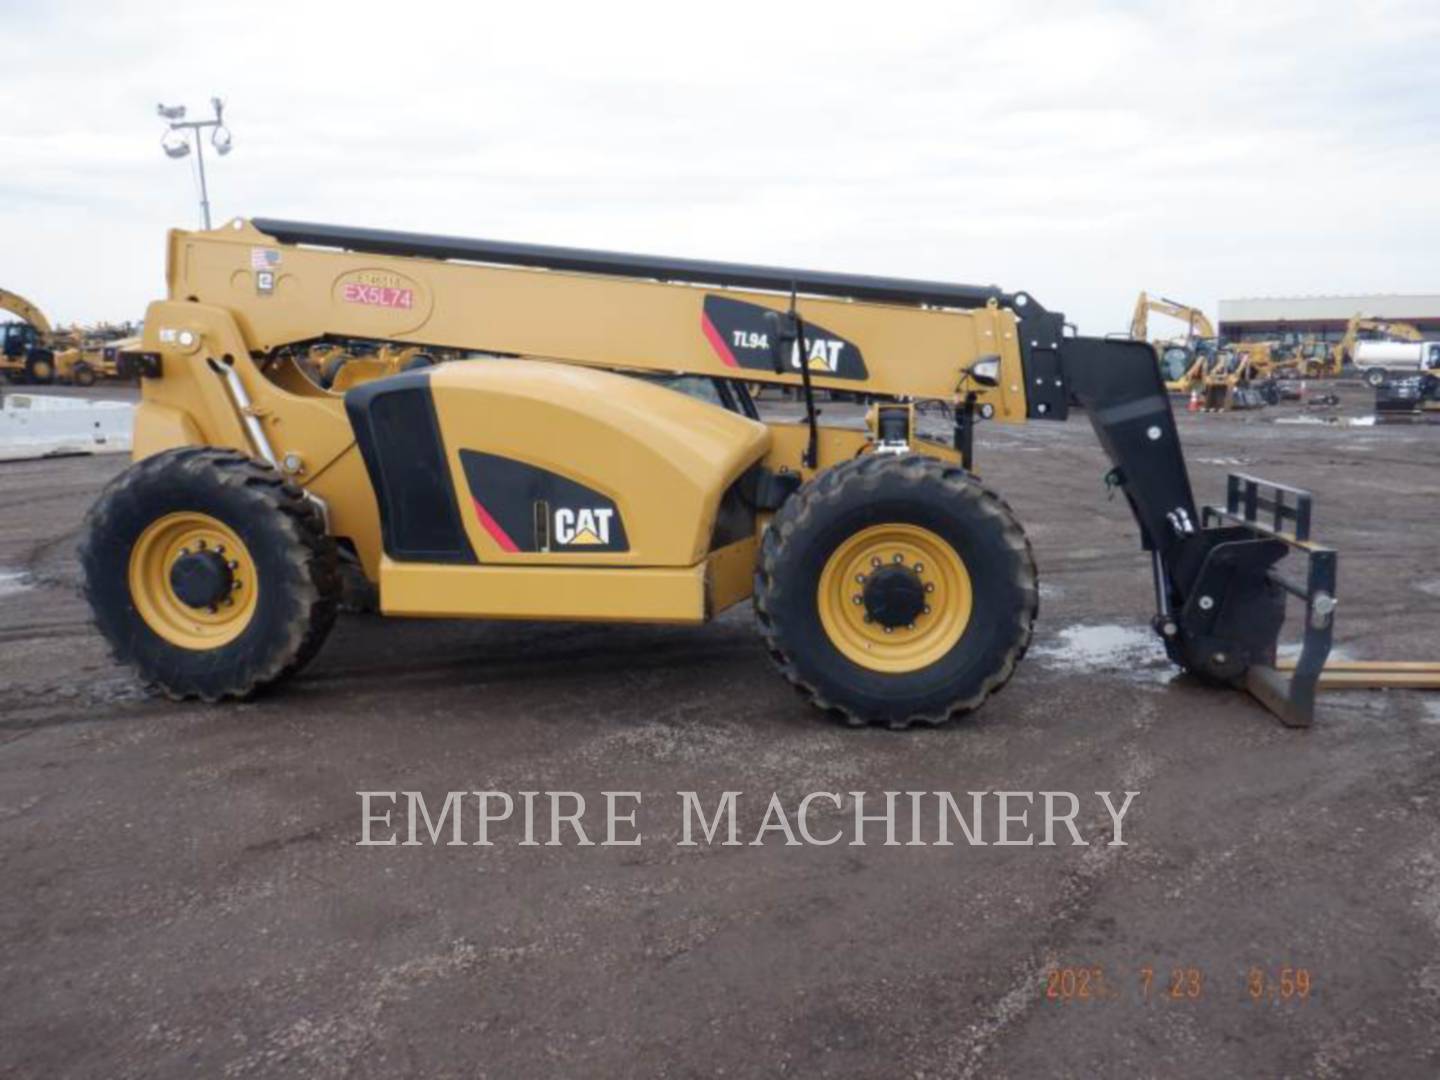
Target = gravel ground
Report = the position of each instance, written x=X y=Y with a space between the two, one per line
x=183 y=893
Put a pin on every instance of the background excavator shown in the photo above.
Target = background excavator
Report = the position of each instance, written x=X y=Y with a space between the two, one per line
x=1183 y=360
x=602 y=460
x=1197 y=323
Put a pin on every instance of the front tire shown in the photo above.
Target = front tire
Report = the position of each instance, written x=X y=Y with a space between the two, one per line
x=208 y=573
x=896 y=590
x=83 y=375
x=1375 y=378
x=40 y=368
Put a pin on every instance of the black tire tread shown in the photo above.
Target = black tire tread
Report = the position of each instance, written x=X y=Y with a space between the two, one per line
x=313 y=578
x=828 y=488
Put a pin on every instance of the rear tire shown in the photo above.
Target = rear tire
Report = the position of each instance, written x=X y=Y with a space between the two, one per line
x=887 y=516
x=248 y=633
x=83 y=375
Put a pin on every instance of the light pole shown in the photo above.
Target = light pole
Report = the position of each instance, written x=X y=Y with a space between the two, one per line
x=176 y=141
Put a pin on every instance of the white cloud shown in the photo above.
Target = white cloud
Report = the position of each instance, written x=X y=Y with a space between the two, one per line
x=1078 y=151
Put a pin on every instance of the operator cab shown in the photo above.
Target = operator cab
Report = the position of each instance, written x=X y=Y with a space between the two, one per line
x=18 y=338
x=1174 y=363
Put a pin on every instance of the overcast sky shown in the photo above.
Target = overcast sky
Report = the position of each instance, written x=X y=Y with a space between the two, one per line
x=1078 y=151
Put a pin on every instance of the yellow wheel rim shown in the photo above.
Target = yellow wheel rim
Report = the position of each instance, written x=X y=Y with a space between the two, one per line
x=165 y=542
x=925 y=559
x=43 y=370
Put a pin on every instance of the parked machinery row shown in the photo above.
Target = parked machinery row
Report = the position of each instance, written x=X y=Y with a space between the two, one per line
x=35 y=351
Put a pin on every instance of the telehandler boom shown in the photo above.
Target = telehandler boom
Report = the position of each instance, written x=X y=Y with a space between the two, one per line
x=562 y=476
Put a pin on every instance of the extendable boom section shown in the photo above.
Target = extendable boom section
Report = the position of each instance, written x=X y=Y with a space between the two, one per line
x=617 y=264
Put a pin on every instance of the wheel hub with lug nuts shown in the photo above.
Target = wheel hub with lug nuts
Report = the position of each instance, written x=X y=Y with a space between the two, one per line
x=193 y=580
x=201 y=579
x=894 y=598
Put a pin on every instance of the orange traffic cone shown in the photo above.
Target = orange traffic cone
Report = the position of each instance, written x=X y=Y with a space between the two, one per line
x=1194 y=401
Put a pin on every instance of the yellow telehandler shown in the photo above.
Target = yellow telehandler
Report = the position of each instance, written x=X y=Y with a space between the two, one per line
x=604 y=461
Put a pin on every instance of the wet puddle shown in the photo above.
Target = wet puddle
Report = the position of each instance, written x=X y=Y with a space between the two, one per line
x=1132 y=651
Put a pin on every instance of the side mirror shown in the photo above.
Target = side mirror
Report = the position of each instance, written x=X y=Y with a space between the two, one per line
x=985 y=371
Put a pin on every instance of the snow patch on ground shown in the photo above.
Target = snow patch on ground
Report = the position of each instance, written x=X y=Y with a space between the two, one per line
x=1328 y=421
x=38 y=425
x=13 y=581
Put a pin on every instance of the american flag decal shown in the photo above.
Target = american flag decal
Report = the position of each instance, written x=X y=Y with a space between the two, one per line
x=264 y=258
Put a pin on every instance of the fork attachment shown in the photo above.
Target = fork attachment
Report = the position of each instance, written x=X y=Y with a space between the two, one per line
x=1275 y=519
x=1220 y=601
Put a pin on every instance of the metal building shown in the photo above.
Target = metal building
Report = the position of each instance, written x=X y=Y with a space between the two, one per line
x=1323 y=317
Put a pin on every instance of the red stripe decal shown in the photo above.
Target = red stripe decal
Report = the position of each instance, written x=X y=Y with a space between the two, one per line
x=716 y=341
x=492 y=526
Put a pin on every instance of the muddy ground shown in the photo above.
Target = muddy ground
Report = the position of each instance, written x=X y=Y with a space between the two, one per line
x=182 y=893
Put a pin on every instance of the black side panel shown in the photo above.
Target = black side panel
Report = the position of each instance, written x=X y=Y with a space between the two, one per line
x=740 y=336
x=1118 y=382
x=399 y=437
x=527 y=508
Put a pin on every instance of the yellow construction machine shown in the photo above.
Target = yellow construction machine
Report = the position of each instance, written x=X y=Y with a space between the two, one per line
x=1235 y=379
x=1197 y=323
x=1183 y=361
x=1302 y=358
x=1181 y=368
x=604 y=461
x=1261 y=359
x=27 y=347
x=34 y=351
